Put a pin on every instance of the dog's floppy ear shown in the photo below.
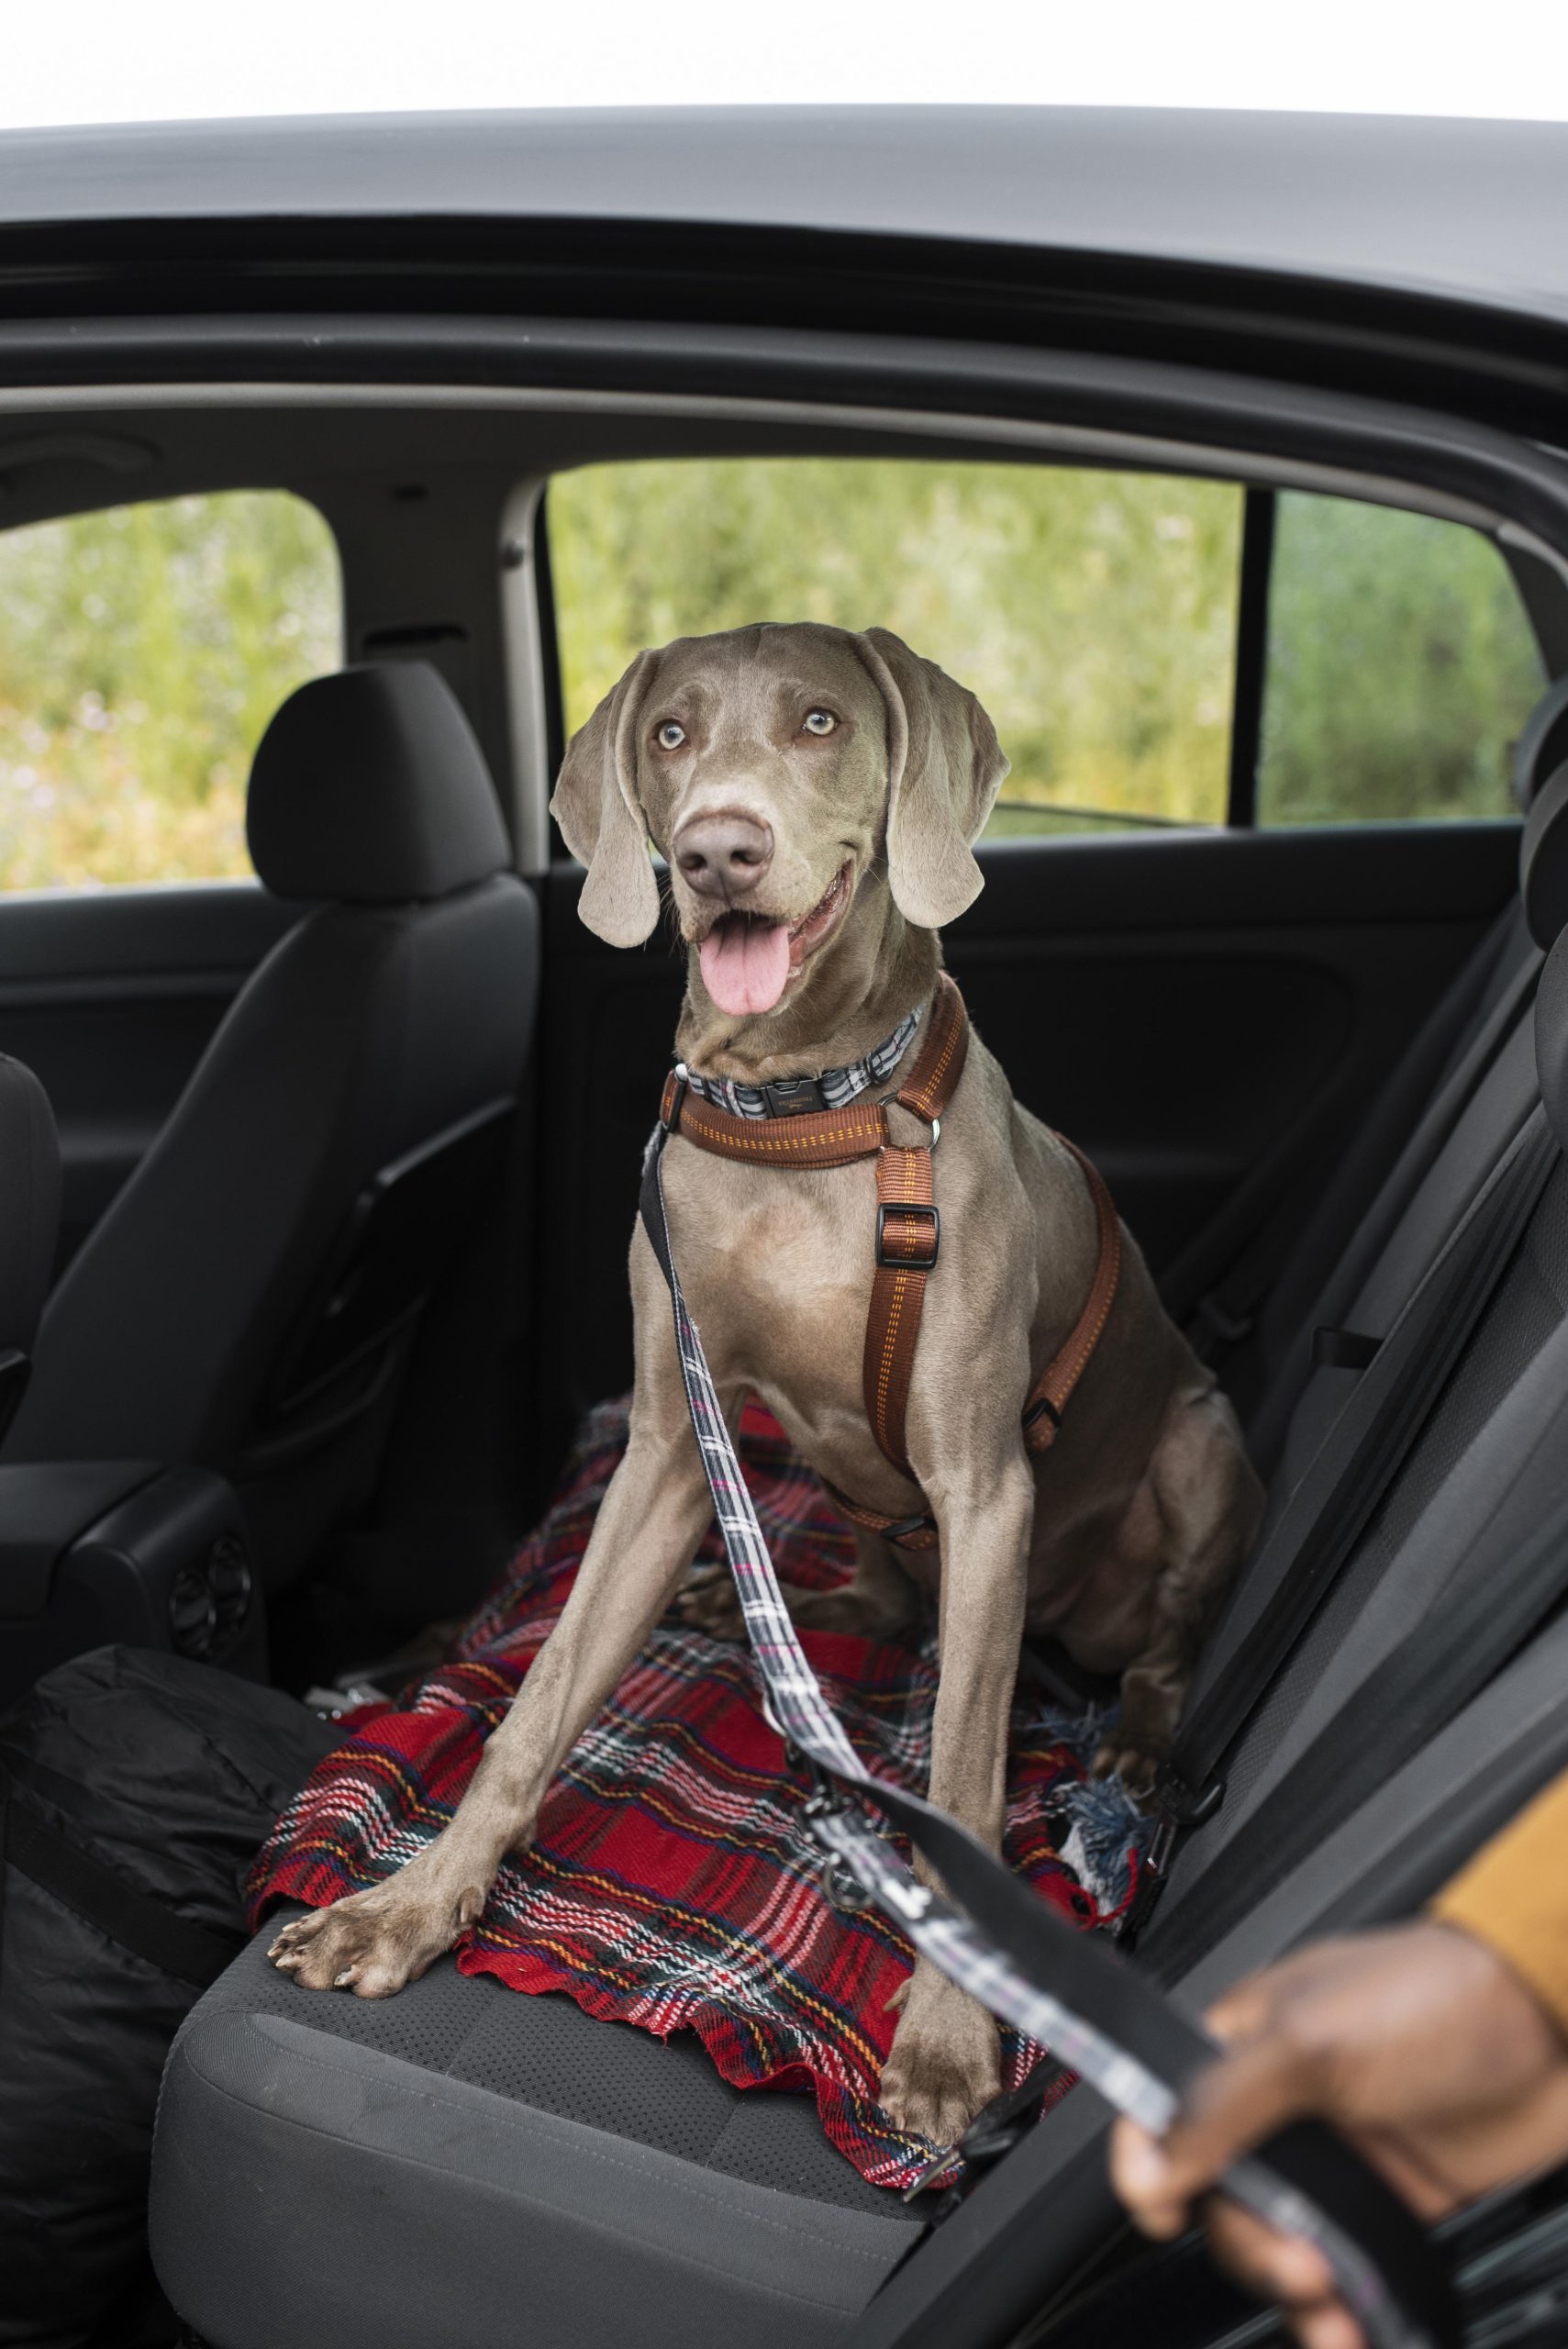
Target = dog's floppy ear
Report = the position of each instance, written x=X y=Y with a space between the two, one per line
x=944 y=769
x=600 y=816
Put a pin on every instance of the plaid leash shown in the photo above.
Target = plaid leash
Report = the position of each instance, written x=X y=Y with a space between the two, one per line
x=1107 y=2023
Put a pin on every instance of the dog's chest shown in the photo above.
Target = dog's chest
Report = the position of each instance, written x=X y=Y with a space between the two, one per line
x=778 y=1289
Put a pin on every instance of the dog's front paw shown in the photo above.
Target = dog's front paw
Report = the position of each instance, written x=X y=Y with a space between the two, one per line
x=374 y=1941
x=1131 y=1761
x=945 y=2061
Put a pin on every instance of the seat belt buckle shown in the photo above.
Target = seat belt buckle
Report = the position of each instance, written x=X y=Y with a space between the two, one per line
x=1176 y=1809
x=904 y=1263
x=1342 y=1349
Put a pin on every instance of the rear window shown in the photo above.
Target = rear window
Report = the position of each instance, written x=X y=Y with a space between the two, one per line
x=142 y=650
x=1094 y=613
x=1154 y=651
x=1401 y=667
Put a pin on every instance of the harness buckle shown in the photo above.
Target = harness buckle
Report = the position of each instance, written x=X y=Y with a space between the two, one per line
x=902 y=1526
x=675 y=1088
x=793 y=1097
x=904 y=1263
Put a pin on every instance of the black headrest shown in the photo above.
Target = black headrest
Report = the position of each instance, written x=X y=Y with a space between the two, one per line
x=1542 y=747
x=1544 y=860
x=369 y=787
x=29 y=1203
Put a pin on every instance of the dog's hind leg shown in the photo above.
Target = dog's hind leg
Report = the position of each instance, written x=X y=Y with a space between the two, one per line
x=1209 y=1502
x=653 y=1514
x=877 y=1602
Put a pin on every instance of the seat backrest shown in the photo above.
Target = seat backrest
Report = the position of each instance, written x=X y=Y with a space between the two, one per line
x=1376 y=1175
x=248 y=1299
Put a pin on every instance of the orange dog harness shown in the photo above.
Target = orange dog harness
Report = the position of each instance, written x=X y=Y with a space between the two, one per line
x=908 y=1235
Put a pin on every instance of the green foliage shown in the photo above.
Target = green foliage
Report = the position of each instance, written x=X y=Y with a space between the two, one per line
x=142 y=650
x=1094 y=613
x=1401 y=667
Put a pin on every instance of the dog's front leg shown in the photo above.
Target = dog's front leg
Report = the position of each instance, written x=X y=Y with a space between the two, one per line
x=654 y=1513
x=944 y=2064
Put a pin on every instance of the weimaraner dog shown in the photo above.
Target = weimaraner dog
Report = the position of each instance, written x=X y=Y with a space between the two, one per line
x=816 y=794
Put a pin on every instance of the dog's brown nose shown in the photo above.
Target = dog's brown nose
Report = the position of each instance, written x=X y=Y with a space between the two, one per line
x=724 y=855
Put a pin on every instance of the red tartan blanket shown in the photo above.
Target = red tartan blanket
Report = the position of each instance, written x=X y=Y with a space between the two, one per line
x=670 y=1885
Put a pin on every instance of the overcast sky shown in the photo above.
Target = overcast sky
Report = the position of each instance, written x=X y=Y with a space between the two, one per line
x=142 y=60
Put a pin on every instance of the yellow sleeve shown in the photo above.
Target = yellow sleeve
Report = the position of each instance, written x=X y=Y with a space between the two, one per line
x=1513 y=1896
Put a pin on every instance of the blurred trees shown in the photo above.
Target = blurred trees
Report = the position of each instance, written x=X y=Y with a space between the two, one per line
x=142 y=650
x=1095 y=615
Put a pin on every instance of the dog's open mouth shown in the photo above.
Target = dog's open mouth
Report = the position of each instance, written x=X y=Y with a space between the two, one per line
x=748 y=960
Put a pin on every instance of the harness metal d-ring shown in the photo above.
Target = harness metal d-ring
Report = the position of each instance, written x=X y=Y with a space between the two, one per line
x=891 y=1100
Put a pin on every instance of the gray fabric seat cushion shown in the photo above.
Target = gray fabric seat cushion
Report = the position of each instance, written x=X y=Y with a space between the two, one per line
x=462 y=2163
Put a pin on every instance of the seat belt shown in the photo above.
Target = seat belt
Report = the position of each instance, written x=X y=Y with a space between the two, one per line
x=989 y=1933
x=1469 y=1635
x=1373 y=1230
x=1355 y=1468
x=1216 y=1288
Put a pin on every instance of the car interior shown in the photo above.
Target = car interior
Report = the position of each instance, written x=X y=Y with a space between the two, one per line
x=333 y=1260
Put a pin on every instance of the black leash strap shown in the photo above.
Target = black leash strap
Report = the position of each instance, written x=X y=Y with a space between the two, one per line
x=133 y=1919
x=1010 y=1951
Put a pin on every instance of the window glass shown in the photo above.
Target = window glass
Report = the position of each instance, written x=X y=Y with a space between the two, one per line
x=1401 y=667
x=1093 y=613
x=142 y=650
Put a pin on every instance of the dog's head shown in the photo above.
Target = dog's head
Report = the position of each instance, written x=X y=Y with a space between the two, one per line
x=786 y=773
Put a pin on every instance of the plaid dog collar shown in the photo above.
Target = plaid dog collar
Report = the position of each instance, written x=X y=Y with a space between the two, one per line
x=832 y=1090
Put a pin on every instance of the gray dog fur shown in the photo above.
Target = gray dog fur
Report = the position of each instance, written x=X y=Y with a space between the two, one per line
x=1119 y=1540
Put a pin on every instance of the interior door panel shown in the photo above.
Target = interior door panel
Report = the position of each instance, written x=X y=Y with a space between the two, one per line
x=110 y=997
x=1179 y=1005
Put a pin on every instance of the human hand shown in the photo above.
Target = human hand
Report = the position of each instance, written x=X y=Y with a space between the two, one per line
x=1428 y=2052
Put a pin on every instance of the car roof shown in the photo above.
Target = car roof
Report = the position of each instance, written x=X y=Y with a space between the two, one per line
x=1468 y=209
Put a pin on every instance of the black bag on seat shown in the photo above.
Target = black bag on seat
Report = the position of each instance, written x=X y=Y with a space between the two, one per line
x=135 y=1789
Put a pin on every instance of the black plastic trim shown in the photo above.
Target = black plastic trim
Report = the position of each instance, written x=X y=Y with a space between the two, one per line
x=1251 y=654
x=1471 y=353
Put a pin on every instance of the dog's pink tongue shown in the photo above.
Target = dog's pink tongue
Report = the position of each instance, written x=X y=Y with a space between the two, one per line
x=745 y=964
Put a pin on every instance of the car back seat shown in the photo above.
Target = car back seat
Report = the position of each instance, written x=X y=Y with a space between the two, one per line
x=1474 y=1454
x=1320 y=1259
x=462 y=2165
x=464 y=2159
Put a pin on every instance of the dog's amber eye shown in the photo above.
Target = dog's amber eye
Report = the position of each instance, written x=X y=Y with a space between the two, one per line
x=671 y=735
x=818 y=721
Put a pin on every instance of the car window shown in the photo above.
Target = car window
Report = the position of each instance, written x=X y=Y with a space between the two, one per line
x=1401 y=666
x=1094 y=613
x=142 y=650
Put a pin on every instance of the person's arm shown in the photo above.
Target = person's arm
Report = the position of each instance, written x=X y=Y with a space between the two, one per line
x=1440 y=2047
x=1513 y=1896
